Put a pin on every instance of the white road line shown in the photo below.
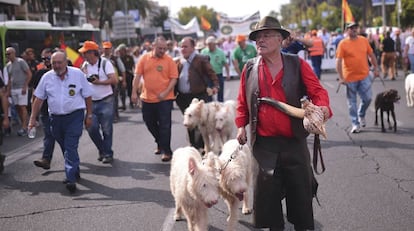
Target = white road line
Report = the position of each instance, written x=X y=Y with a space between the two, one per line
x=169 y=221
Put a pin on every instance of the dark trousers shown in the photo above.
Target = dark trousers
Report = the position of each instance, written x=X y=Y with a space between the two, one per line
x=183 y=101
x=284 y=171
x=157 y=118
x=317 y=65
x=48 y=139
x=67 y=130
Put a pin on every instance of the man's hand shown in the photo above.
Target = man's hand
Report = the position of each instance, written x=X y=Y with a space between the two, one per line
x=241 y=135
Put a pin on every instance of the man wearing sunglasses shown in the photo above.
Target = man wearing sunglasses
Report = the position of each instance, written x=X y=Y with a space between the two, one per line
x=48 y=139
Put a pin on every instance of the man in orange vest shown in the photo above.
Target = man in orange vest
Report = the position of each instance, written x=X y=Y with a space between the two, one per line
x=316 y=53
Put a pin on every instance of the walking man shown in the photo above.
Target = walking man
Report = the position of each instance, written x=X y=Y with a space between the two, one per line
x=160 y=74
x=217 y=61
x=68 y=95
x=278 y=141
x=48 y=139
x=101 y=76
x=353 y=69
x=19 y=78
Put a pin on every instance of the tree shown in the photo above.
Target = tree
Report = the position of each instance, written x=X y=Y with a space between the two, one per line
x=93 y=8
x=160 y=17
x=188 y=13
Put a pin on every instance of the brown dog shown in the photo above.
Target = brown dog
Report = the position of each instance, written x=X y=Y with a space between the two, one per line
x=385 y=103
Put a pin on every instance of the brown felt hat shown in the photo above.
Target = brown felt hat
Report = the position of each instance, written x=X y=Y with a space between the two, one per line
x=268 y=23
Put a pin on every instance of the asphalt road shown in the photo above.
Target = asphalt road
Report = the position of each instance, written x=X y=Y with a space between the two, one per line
x=368 y=184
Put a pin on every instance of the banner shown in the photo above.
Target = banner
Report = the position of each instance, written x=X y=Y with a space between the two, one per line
x=237 y=25
x=379 y=2
x=191 y=27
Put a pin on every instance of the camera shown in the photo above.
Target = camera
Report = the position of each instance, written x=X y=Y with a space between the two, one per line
x=92 y=78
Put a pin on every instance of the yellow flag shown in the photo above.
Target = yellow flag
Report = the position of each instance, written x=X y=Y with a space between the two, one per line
x=346 y=11
x=205 y=25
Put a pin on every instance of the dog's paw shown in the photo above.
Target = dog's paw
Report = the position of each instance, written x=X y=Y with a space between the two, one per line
x=246 y=211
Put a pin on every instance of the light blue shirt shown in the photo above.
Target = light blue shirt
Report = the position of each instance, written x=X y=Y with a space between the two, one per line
x=184 y=83
x=64 y=96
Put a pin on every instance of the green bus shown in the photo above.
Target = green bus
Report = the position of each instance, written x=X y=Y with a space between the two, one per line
x=22 y=34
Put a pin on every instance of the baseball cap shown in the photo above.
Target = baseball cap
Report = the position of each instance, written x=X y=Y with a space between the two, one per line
x=89 y=46
x=210 y=39
x=240 y=38
x=107 y=44
x=351 y=24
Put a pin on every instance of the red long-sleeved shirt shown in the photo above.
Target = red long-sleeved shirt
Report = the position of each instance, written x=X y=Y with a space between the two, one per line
x=271 y=121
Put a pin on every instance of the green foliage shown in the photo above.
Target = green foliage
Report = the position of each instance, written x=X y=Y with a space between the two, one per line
x=188 y=13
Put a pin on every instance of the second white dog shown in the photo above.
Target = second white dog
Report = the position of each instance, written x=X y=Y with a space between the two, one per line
x=236 y=169
x=409 y=90
x=225 y=124
x=202 y=115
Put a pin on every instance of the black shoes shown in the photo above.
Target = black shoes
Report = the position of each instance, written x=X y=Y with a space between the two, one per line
x=166 y=157
x=66 y=181
x=42 y=163
x=2 y=159
x=71 y=187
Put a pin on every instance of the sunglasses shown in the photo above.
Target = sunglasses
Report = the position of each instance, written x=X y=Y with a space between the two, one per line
x=45 y=58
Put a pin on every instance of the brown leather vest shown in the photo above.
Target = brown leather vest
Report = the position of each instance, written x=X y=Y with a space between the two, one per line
x=292 y=85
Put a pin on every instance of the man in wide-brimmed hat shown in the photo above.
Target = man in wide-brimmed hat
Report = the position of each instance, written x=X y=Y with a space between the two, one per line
x=278 y=140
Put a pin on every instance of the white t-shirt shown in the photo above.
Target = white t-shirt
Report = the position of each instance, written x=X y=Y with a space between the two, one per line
x=100 y=91
x=410 y=42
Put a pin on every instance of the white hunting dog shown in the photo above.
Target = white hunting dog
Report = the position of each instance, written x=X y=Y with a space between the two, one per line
x=202 y=115
x=194 y=187
x=225 y=124
x=236 y=170
x=409 y=90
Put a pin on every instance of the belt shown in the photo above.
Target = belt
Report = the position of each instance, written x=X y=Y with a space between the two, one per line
x=104 y=98
x=62 y=115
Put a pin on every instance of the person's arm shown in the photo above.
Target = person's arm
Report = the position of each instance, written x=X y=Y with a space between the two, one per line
x=88 y=117
x=136 y=82
x=339 y=70
x=374 y=62
x=169 y=88
x=5 y=107
x=306 y=42
x=28 y=73
x=242 y=111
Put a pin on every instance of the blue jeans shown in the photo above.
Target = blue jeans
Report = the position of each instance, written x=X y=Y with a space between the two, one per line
x=364 y=90
x=411 y=60
x=67 y=130
x=316 y=65
x=102 y=119
x=48 y=139
x=157 y=118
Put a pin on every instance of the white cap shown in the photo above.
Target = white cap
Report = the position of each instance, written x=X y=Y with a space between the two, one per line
x=210 y=39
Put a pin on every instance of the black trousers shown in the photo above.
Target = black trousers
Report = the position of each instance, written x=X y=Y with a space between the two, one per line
x=284 y=172
x=183 y=101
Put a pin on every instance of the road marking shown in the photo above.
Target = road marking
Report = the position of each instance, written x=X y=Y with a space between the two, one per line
x=22 y=152
x=169 y=221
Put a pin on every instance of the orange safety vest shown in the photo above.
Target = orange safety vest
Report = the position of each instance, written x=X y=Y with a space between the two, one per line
x=317 y=48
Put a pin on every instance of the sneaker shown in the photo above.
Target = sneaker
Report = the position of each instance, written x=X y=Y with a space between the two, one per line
x=107 y=160
x=355 y=129
x=22 y=132
x=42 y=163
x=362 y=122
x=2 y=159
x=66 y=181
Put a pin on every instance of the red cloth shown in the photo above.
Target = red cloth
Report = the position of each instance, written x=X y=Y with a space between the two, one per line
x=268 y=115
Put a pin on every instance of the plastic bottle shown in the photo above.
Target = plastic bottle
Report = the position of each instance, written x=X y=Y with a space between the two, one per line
x=32 y=133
